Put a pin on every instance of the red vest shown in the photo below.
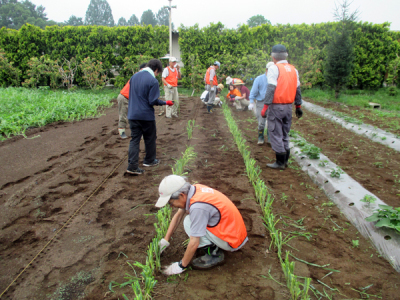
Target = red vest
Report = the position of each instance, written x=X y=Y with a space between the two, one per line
x=230 y=227
x=285 y=91
x=125 y=90
x=172 y=77
x=215 y=80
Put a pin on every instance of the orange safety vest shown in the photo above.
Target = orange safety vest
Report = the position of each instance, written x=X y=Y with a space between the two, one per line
x=172 y=77
x=230 y=227
x=215 y=80
x=125 y=90
x=285 y=91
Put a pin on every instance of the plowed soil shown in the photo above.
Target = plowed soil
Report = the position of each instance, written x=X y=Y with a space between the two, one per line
x=75 y=171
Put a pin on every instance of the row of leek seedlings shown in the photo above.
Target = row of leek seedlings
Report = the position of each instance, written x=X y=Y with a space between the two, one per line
x=189 y=129
x=153 y=263
x=297 y=289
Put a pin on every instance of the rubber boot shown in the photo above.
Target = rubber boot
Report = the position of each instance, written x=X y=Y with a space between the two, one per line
x=122 y=134
x=260 y=137
x=209 y=108
x=280 y=161
x=213 y=257
x=287 y=158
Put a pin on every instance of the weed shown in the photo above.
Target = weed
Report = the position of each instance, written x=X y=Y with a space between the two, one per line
x=329 y=204
x=355 y=243
x=323 y=163
x=368 y=199
x=335 y=173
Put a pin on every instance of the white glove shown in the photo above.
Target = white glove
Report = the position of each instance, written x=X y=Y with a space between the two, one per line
x=237 y=98
x=163 y=244
x=169 y=86
x=251 y=105
x=173 y=269
x=212 y=88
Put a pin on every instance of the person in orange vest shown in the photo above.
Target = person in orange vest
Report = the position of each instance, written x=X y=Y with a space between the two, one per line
x=283 y=89
x=170 y=77
x=123 y=100
x=211 y=82
x=211 y=220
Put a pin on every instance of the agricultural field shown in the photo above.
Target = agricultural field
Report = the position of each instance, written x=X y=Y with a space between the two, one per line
x=67 y=187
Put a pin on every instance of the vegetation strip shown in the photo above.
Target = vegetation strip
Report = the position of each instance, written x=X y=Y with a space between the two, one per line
x=297 y=289
x=351 y=198
x=371 y=132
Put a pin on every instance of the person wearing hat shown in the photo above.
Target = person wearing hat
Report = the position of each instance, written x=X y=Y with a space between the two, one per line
x=257 y=95
x=170 y=77
x=205 y=95
x=242 y=102
x=211 y=81
x=283 y=89
x=211 y=220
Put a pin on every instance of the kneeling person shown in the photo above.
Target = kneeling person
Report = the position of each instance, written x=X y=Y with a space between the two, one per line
x=213 y=222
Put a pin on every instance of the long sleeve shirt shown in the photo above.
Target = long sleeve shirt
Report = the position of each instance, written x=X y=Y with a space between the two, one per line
x=259 y=88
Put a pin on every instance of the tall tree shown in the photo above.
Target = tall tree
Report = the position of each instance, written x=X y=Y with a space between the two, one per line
x=163 y=16
x=133 y=20
x=257 y=20
x=148 y=18
x=74 y=21
x=122 y=22
x=340 y=50
x=14 y=14
x=99 y=13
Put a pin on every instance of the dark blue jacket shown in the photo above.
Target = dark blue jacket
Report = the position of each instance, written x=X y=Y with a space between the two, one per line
x=143 y=94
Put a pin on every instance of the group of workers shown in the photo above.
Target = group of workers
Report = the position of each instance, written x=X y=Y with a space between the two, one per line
x=210 y=219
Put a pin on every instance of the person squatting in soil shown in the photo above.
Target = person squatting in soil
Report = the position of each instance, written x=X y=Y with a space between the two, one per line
x=242 y=102
x=205 y=96
x=212 y=222
x=170 y=77
x=211 y=81
x=233 y=93
x=283 y=89
x=257 y=92
x=143 y=95
x=123 y=100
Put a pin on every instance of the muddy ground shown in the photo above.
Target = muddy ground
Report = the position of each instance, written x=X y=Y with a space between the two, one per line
x=49 y=178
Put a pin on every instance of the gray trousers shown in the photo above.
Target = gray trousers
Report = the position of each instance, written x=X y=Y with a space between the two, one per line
x=208 y=239
x=172 y=94
x=262 y=122
x=211 y=95
x=122 y=111
x=279 y=123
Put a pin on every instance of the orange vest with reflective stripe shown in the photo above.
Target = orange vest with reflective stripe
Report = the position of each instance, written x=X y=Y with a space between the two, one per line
x=172 y=77
x=125 y=90
x=285 y=91
x=215 y=80
x=230 y=227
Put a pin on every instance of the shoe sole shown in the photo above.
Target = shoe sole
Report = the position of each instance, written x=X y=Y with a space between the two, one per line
x=133 y=173
x=208 y=268
x=147 y=165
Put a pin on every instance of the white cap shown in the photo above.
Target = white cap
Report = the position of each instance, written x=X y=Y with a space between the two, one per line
x=228 y=80
x=168 y=186
x=270 y=64
x=172 y=59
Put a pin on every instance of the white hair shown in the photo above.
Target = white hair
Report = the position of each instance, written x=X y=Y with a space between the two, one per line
x=184 y=189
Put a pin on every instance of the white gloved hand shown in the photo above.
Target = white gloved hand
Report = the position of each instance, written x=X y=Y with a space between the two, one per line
x=169 y=86
x=251 y=105
x=173 y=269
x=237 y=98
x=212 y=89
x=163 y=244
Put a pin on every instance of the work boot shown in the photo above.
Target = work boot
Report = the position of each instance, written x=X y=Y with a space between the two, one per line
x=287 y=158
x=213 y=257
x=280 y=161
x=209 y=108
x=122 y=133
x=260 y=137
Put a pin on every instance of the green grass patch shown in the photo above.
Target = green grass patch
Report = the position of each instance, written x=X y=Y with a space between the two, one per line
x=22 y=108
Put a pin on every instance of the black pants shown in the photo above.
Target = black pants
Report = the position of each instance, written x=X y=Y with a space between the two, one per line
x=149 y=132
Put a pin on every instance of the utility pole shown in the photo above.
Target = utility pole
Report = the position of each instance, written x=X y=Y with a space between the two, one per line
x=170 y=7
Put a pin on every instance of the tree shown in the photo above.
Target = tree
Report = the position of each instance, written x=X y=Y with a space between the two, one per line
x=148 y=18
x=257 y=20
x=99 y=13
x=133 y=20
x=340 y=50
x=122 y=22
x=163 y=17
x=74 y=21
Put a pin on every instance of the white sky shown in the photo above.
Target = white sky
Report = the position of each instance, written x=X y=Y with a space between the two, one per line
x=231 y=13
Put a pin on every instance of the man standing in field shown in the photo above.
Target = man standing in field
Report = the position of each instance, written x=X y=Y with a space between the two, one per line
x=123 y=100
x=283 y=89
x=170 y=77
x=143 y=95
x=257 y=95
x=211 y=82
x=211 y=220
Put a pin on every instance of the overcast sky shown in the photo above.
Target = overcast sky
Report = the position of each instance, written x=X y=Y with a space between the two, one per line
x=232 y=13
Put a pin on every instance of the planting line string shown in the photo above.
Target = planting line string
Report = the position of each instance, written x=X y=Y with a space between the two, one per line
x=66 y=223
